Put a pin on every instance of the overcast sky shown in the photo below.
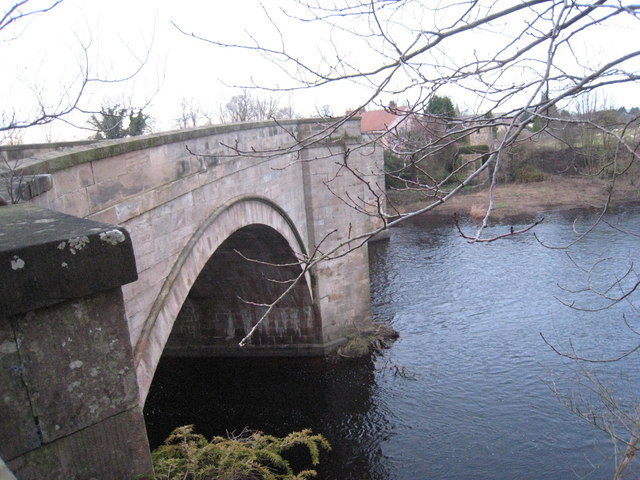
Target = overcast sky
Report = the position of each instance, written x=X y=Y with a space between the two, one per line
x=43 y=55
x=46 y=53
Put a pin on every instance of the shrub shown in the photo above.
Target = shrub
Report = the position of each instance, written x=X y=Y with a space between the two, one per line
x=249 y=456
x=401 y=173
x=396 y=171
x=526 y=173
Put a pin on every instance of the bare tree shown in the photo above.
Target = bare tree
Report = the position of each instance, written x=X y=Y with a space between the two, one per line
x=15 y=14
x=526 y=69
x=190 y=114
x=325 y=111
x=51 y=100
x=527 y=63
x=246 y=107
x=45 y=107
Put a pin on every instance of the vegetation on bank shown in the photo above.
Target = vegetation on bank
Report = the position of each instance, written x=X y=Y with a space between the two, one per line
x=583 y=143
x=367 y=343
x=248 y=456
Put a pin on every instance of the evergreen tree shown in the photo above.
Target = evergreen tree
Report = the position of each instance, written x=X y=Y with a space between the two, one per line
x=137 y=123
x=109 y=122
x=441 y=106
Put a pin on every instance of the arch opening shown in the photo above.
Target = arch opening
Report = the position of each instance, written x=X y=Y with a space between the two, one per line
x=249 y=270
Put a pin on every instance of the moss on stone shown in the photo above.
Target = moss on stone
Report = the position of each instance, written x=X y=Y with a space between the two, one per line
x=374 y=341
x=111 y=148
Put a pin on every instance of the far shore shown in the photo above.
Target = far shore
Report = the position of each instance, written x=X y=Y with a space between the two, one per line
x=532 y=199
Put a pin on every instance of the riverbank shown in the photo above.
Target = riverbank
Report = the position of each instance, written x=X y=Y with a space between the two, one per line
x=513 y=199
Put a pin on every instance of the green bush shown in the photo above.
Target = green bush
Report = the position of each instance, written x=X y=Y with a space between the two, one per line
x=401 y=173
x=396 y=171
x=250 y=456
x=526 y=174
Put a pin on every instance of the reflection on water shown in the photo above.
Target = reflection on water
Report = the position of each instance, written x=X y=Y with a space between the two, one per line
x=277 y=396
x=478 y=404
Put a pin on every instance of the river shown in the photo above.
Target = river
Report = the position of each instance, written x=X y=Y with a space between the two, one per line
x=481 y=395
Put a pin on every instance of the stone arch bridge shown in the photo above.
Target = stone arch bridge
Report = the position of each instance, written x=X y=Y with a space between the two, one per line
x=169 y=243
x=210 y=225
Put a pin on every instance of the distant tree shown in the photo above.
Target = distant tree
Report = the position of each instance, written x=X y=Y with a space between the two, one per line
x=325 y=111
x=441 y=106
x=190 y=114
x=548 y=112
x=138 y=124
x=247 y=108
x=239 y=108
x=109 y=122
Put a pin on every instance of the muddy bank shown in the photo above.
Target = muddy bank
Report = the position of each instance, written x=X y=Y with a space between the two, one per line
x=514 y=199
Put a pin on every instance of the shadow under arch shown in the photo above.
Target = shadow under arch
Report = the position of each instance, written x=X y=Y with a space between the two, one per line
x=250 y=270
x=229 y=218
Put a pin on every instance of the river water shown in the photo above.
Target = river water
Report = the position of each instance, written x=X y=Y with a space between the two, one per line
x=481 y=395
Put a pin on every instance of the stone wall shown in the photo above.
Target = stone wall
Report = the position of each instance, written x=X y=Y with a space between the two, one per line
x=69 y=404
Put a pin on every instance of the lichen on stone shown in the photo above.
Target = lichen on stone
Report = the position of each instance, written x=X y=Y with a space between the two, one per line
x=77 y=243
x=112 y=237
x=17 y=263
x=76 y=364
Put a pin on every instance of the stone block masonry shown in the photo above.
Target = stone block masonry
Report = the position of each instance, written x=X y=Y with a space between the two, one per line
x=69 y=403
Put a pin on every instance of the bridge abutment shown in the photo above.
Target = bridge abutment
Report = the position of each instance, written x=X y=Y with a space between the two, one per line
x=69 y=406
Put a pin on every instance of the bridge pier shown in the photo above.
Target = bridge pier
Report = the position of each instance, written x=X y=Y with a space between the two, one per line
x=341 y=180
x=69 y=403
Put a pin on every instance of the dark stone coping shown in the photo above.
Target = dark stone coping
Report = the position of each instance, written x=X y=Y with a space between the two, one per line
x=48 y=257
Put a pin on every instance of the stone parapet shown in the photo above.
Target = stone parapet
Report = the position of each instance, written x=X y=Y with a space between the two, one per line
x=69 y=406
x=48 y=257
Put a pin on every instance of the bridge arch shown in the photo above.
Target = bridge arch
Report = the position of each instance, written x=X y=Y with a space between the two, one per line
x=230 y=223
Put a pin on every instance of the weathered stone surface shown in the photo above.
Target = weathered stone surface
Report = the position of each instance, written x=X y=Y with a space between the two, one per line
x=114 y=449
x=69 y=403
x=76 y=363
x=47 y=257
x=18 y=427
